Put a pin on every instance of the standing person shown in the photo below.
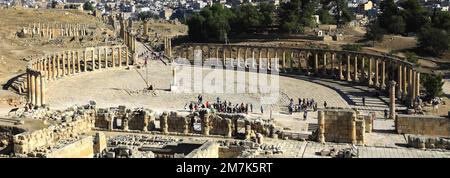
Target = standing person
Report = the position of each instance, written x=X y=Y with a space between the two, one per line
x=262 y=110
x=191 y=107
x=206 y=104
x=325 y=104
x=385 y=113
x=246 y=108
x=305 y=115
x=364 y=100
x=251 y=107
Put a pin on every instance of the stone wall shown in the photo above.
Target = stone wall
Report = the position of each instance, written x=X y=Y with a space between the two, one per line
x=427 y=142
x=341 y=125
x=207 y=150
x=29 y=141
x=82 y=148
x=422 y=125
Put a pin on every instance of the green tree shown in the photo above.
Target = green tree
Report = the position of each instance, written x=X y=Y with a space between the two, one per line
x=267 y=12
x=294 y=15
x=246 y=16
x=411 y=57
x=374 y=32
x=414 y=14
x=396 y=25
x=434 y=41
x=88 y=6
x=325 y=16
x=211 y=24
x=441 y=20
x=433 y=85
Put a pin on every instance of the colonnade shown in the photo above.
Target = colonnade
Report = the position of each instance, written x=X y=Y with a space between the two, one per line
x=67 y=63
x=362 y=68
x=55 y=30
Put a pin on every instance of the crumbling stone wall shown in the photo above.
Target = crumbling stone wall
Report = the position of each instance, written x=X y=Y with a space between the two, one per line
x=178 y=123
x=82 y=148
x=422 y=125
x=207 y=150
x=29 y=141
x=341 y=125
x=427 y=142
x=136 y=119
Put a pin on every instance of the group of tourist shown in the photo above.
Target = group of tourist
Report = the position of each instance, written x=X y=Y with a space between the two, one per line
x=303 y=105
x=220 y=106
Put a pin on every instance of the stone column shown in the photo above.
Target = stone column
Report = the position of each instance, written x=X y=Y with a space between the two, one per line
x=38 y=89
x=333 y=55
x=324 y=71
x=105 y=50
x=284 y=60
x=269 y=67
x=63 y=65
x=93 y=60
x=29 y=86
x=392 y=99
x=410 y=85
x=321 y=130
x=383 y=74
x=113 y=59
x=252 y=65
x=32 y=88
x=205 y=122
x=377 y=80
x=260 y=58
x=370 y=82
x=217 y=55
x=341 y=70
x=54 y=66
x=42 y=81
x=349 y=78
x=414 y=79
x=224 y=55
x=99 y=58
x=163 y=123
x=78 y=62
x=316 y=63
x=58 y=67
x=85 y=60
x=119 y=54
x=399 y=80
x=405 y=82
x=353 y=128
x=126 y=57
x=417 y=84
x=72 y=53
x=356 y=69
x=363 y=70
x=48 y=68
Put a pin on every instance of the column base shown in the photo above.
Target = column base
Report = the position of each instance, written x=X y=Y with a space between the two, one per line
x=174 y=88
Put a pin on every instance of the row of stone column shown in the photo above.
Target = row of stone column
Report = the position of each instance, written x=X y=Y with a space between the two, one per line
x=56 y=30
x=36 y=87
x=130 y=40
x=66 y=63
x=370 y=70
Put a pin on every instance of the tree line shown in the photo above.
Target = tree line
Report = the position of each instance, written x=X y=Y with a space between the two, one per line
x=409 y=17
x=216 y=23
